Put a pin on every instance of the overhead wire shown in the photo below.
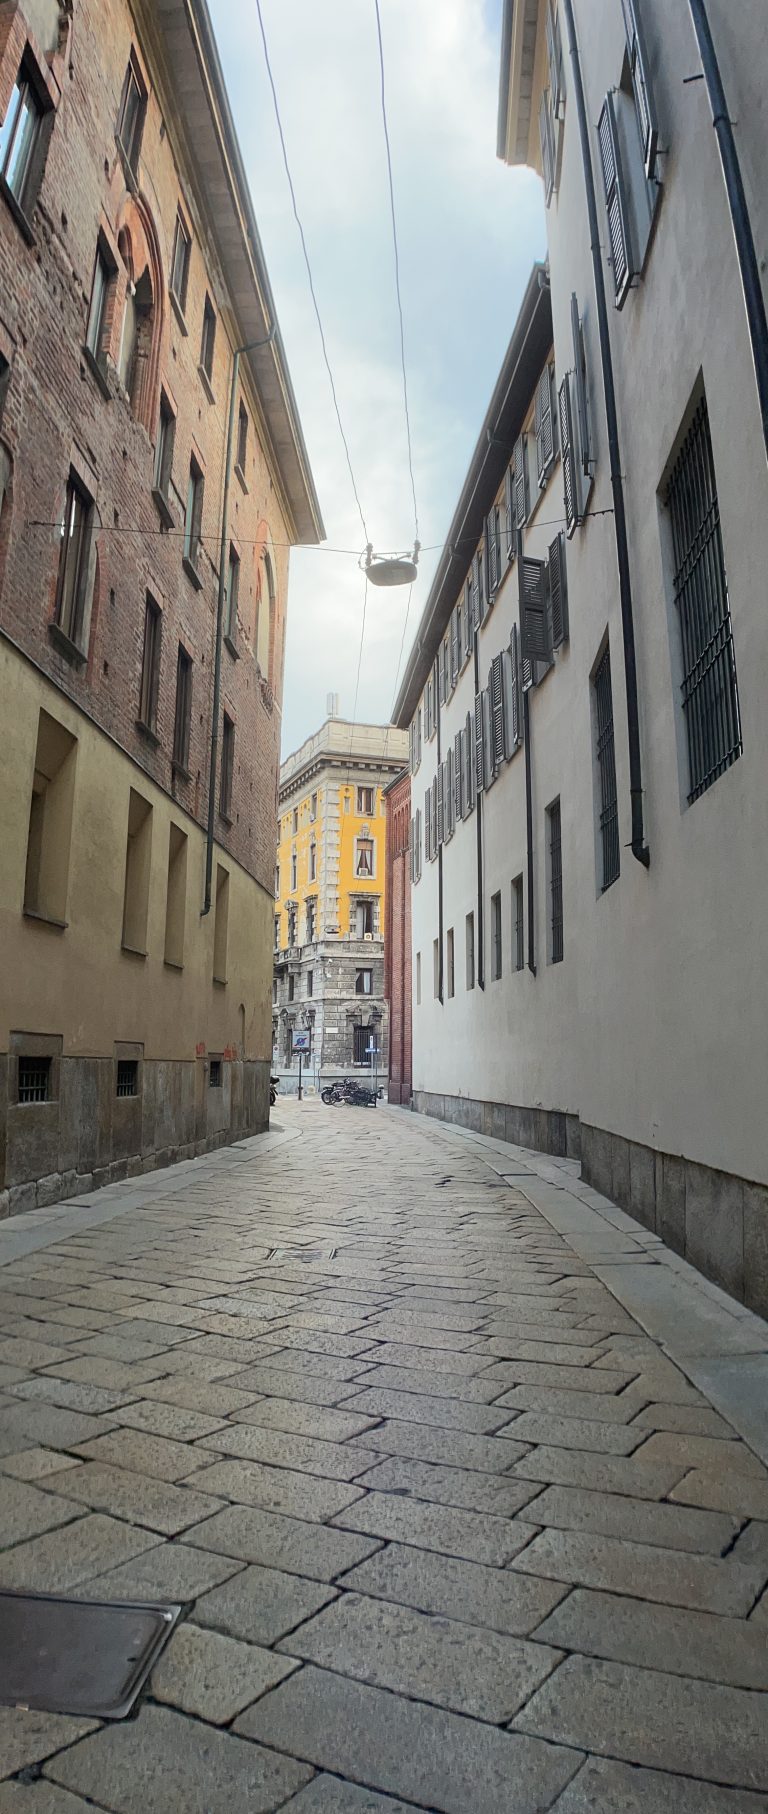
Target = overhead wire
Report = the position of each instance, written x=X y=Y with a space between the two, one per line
x=393 y=213
x=452 y=546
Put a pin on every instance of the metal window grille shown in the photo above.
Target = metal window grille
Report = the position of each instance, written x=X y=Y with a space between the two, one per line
x=556 y=881
x=227 y=766
x=709 y=688
x=495 y=937
x=606 y=763
x=361 y=1038
x=127 y=1077
x=34 y=1079
x=150 y=669
x=518 y=945
x=214 y=1075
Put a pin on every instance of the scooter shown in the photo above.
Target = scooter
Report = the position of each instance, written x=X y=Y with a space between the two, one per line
x=274 y=1084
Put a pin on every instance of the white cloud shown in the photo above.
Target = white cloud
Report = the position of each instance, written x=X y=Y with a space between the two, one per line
x=469 y=230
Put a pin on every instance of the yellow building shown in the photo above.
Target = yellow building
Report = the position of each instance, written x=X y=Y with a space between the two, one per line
x=329 y=897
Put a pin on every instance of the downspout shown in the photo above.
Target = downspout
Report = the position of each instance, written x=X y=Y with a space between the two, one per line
x=479 y=831
x=440 y=990
x=529 y=832
x=734 y=186
x=221 y=597
x=638 y=845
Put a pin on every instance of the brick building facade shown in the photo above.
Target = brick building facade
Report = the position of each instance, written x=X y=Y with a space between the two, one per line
x=130 y=270
x=397 y=936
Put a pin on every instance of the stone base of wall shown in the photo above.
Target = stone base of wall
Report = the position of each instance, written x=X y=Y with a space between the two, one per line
x=88 y=1136
x=543 y=1130
x=716 y=1220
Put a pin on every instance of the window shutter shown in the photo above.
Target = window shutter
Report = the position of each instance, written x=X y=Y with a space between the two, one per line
x=569 y=463
x=580 y=374
x=533 y=608
x=418 y=737
x=558 y=591
x=511 y=677
x=527 y=674
x=440 y=676
x=428 y=824
x=496 y=691
x=455 y=651
x=521 y=481
x=469 y=764
x=492 y=552
x=547 y=140
x=435 y=819
x=413 y=747
x=478 y=742
x=413 y=850
x=439 y=803
x=641 y=85
x=615 y=200
x=490 y=771
x=460 y=635
x=482 y=605
x=458 y=777
x=555 y=59
x=448 y=799
x=509 y=514
x=418 y=845
x=542 y=415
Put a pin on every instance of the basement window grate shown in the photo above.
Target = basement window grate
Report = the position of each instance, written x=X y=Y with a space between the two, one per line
x=214 y=1080
x=127 y=1076
x=34 y=1079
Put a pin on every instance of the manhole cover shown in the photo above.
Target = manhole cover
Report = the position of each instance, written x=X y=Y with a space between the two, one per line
x=78 y=1656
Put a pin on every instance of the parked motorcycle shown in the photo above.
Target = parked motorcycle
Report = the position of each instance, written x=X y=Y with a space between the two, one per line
x=274 y=1085
x=347 y=1089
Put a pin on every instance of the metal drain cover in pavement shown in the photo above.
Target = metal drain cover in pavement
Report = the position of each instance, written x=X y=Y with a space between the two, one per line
x=78 y=1656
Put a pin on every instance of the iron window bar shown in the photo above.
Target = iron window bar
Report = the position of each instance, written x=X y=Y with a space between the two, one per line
x=127 y=1077
x=34 y=1079
x=556 y=881
x=606 y=762
x=709 y=687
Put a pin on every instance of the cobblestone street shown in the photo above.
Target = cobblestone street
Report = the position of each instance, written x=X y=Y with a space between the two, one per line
x=454 y=1527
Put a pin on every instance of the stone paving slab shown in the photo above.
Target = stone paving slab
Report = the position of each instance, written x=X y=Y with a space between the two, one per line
x=669 y=1576
x=60 y=1559
x=281 y=1489
x=473 y=1535
x=444 y=1485
x=139 y=1498
x=498 y=1600
x=27 y=1737
x=441 y=1761
x=486 y=1674
x=276 y=1541
x=130 y=1768
x=278 y=1448
x=646 y=1717
x=603 y=1473
x=329 y=1795
x=443 y=1413
x=26 y=1512
x=724 y=1492
x=39 y=1798
x=169 y=1571
x=321 y=1422
x=640 y=1520
x=159 y=1456
x=261 y=1605
x=215 y=1677
x=631 y=1631
x=611 y=1788
x=457 y=1448
x=36 y=1464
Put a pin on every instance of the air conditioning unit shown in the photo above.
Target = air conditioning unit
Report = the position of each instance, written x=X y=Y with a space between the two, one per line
x=368 y=935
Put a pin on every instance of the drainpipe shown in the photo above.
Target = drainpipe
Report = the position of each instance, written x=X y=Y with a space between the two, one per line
x=638 y=845
x=440 y=978
x=737 y=202
x=480 y=946
x=220 y=603
x=529 y=831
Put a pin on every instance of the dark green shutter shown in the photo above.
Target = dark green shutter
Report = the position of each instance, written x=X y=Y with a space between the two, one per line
x=496 y=696
x=509 y=514
x=478 y=743
x=547 y=141
x=570 y=491
x=534 y=633
x=580 y=379
x=521 y=481
x=615 y=201
x=558 y=591
x=542 y=419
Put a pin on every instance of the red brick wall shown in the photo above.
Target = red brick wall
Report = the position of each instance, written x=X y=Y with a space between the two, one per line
x=397 y=939
x=55 y=413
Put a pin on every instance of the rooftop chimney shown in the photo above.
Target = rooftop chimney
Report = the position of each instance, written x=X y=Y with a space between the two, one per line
x=332 y=705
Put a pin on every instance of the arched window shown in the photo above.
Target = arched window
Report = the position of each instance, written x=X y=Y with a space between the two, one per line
x=266 y=620
x=139 y=351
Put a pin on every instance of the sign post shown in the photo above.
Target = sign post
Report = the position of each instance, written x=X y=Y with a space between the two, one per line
x=301 y=1044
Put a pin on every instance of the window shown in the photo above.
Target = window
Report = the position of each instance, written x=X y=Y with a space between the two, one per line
x=313 y=808
x=294 y=869
x=496 y=709
x=710 y=696
x=182 y=246
x=363 y=982
x=628 y=141
x=311 y=920
x=436 y=968
x=138 y=858
x=544 y=424
x=166 y=435
x=76 y=528
x=194 y=515
x=242 y=438
x=209 y=339
x=362 y=1037
x=227 y=766
x=277 y=879
x=233 y=593
x=518 y=940
x=449 y=961
x=102 y=277
x=521 y=481
x=221 y=925
x=127 y=1082
x=133 y=107
x=469 y=941
x=610 y=860
x=642 y=92
x=555 y=883
x=493 y=551
x=150 y=667
x=554 y=59
x=365 y=800
x=496 y=949
x=313 y=861
x=34 y=1079
x=292 y=918
x=49 y=834
x=547 y=144
x=5 y=379
x=20 y=137
x=310 y=982
x=418 y=979
x=214 y=1074
x=364 y=857
x=277 y=932
x=295 y=823
x=364 y=919
x=183 y=714
x=176 y=897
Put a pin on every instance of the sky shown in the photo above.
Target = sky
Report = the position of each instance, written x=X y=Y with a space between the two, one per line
x=469 y=230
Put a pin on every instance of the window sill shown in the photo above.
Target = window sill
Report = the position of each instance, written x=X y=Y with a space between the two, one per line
x=98 y=372
x=129 y=173
x=170 y=964
x=23 y=224
x=225 y=819
x=241 y=478
x=191 y=572
x=179 y=313
x=206 y=383
x=219 y=982
x=45 y=919
x=180 y=773
x=162 y=507
x=232 y=646
x=66 y=647
x=148 y=733
x=132 y=951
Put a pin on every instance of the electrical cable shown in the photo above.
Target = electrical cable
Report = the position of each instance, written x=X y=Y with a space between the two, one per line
x=467 y=541
x=302 y=237
x=397 y=264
